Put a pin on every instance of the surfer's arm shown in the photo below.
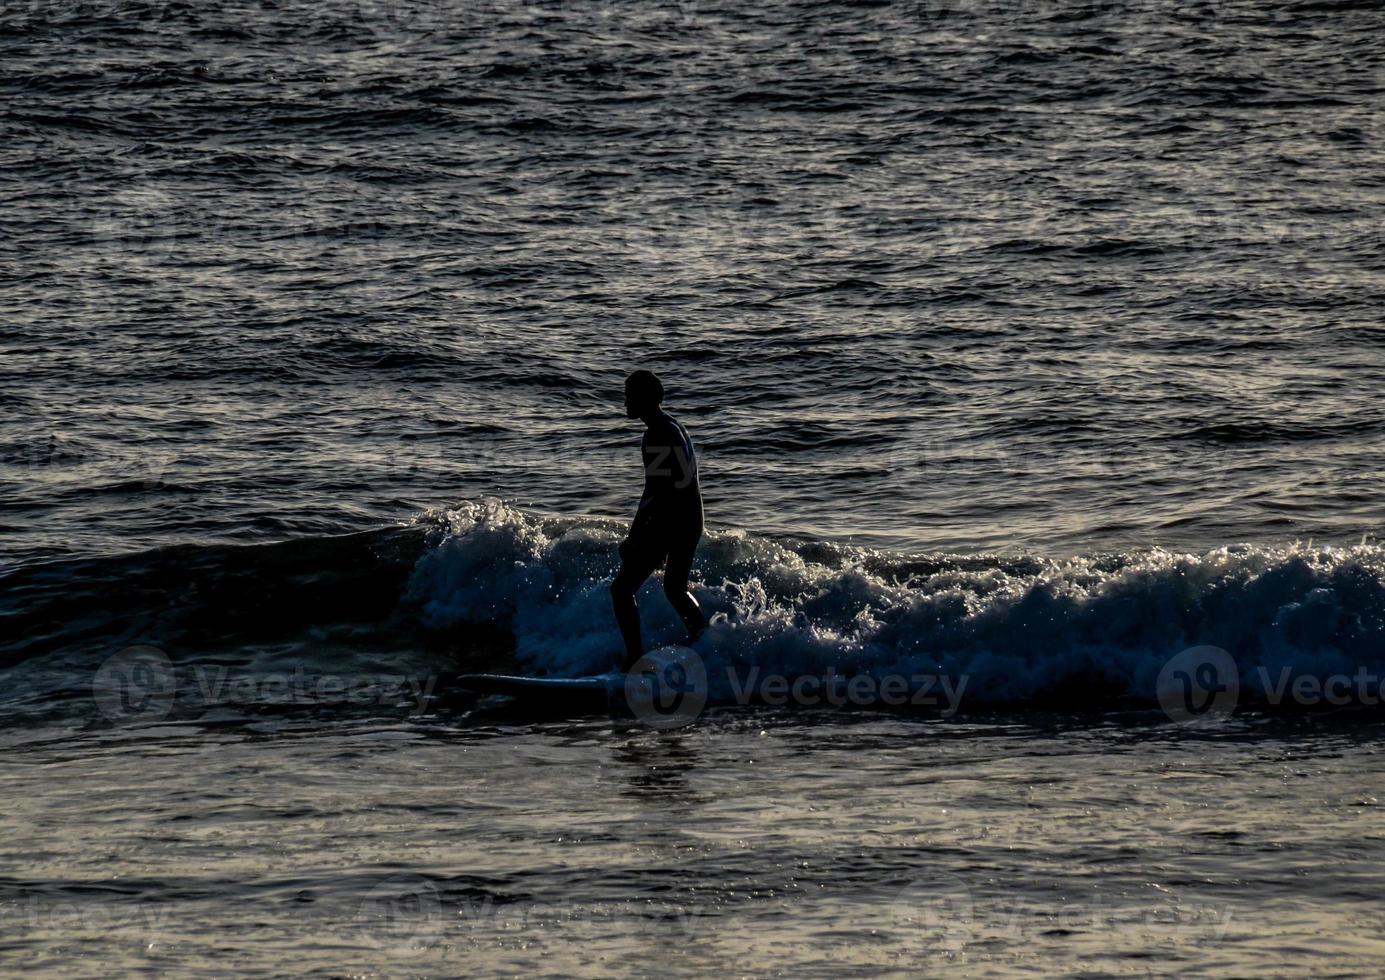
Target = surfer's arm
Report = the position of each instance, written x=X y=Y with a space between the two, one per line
x=649 y=500
x=644 y=515
x=665 y=473
x=638 y=527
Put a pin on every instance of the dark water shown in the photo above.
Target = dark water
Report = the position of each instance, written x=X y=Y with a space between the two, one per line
x=758 y=845
x=1029 y=344
x=968 y=276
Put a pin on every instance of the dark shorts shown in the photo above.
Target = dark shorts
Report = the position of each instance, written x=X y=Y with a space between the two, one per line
x=672 y=549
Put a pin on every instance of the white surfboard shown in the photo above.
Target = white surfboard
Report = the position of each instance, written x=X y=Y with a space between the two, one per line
x=602 y=689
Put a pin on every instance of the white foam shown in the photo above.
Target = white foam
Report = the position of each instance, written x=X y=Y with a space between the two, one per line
x=1018 y=628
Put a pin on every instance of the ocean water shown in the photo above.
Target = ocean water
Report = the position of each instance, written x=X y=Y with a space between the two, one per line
x=1026 y=347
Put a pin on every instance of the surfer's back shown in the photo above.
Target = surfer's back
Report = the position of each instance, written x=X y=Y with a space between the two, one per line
x=670 y=465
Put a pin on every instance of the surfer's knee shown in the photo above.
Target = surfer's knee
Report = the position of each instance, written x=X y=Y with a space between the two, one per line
x=675 y=590
x=621 y=591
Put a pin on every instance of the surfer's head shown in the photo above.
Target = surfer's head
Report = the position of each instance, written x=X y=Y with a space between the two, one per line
x=644 y=392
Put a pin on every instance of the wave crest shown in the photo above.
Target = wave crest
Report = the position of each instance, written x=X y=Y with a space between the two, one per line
x=1019 y=628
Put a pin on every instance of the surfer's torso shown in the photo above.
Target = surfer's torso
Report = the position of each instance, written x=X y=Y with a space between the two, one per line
x=672 y=494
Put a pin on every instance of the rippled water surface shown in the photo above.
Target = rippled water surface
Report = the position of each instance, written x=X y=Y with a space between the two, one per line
x=1025 y=345
x=760 y=844
x=960 y=275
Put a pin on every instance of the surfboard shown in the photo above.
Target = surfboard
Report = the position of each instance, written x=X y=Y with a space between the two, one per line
x=667 y=688
x=599 y=690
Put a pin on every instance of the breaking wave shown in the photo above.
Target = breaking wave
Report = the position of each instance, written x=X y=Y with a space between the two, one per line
x=1021 y=629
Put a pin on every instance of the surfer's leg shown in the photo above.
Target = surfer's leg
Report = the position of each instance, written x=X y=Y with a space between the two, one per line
x=635 y=567
x=676 y=572
x=623 y=591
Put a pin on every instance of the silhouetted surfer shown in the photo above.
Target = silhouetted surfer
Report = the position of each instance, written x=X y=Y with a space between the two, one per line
x=667 y=525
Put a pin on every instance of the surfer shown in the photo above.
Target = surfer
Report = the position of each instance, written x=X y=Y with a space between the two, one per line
x=668 y=523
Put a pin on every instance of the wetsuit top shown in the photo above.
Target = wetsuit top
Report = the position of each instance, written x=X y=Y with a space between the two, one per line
x=672 y=495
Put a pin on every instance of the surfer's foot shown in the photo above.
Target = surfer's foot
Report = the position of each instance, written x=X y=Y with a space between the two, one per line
x=695 y=633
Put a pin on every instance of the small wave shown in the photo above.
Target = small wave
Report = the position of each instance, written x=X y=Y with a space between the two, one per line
x=1261 y=431
x=489 y=586
x=1105 y=248
x=136 y=488
x=802 y=437
x=1025 y=630
x=1028 y=57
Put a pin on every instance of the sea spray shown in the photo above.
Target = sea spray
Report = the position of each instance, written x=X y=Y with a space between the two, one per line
x=1019 y=628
